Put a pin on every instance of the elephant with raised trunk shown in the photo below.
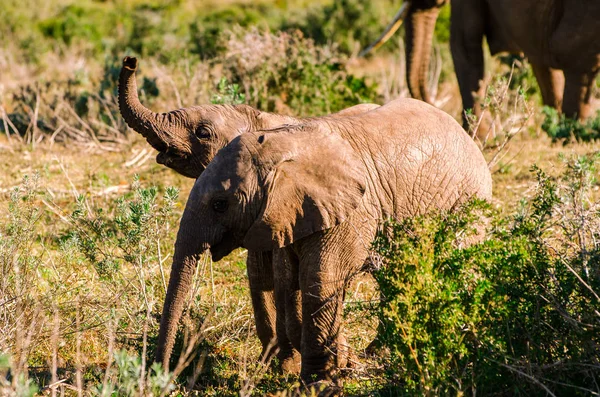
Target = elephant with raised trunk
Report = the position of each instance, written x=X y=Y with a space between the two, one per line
x=187 y=140
x=559 y=37
x=320 y=190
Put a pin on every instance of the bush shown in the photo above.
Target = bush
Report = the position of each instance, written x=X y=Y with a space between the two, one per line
x=353 y=24
x=349 y=24
x=558 y=127
x=516 y=313
x=227 y=94
x=206 y=32
x=287 y=73
x=109 y=241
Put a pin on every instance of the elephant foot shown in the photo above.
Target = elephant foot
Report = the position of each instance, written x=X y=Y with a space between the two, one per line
x=354 y=361
x=346 y=357
x=289 y=362
x=320 y=389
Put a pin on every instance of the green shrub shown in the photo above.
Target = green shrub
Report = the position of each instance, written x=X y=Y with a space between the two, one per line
x=75 y=22
x=287 y=73
x=515 y=313
x=348 y=24
x=558 y=127
x=228 y=94
x=206 y=32
x=353 y=24
x=126 y=380
x=126 y=237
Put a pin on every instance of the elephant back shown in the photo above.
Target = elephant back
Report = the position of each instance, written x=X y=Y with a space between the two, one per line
x=419 y=159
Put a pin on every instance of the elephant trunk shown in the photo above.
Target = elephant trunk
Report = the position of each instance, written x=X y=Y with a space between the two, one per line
x=188 y=247
x=160 y=129
x=420 y=25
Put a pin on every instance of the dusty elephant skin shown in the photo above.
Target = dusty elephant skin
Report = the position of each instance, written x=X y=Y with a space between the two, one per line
x=559 y=37
x=187 y=140
x=319 y=190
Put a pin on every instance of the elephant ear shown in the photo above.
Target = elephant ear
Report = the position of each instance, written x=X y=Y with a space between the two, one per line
x=314 y=181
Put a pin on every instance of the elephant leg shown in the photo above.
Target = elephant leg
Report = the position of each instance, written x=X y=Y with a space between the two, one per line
x=322 y=302
x=466 y=40
x=551 y=82
x=292 y=299
x=260 y=276
x=578 y=94
x=326 y=261
x=289 y=318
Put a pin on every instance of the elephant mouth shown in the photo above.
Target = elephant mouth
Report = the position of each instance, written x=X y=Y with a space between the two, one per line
x=183 y=164
x=223 y=248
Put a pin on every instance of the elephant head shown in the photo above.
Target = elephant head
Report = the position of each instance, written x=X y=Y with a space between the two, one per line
x=187 y=139
x=266 y=189
x=420 y=16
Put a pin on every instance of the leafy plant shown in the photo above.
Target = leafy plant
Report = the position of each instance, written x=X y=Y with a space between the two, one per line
x=131 y=378
x=228 y=94
x=287 y=73
x=516 y=311
x=109 y=241
x=558 y=127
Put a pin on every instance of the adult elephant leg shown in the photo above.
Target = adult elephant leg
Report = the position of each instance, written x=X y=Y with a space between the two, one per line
x=551 y=82
x=466 y=40
x=260 y=276
x=578 y=94
x=288 y=318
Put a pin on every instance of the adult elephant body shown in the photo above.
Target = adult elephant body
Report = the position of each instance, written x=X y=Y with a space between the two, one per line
x=319 y=190
x=187 y=140
x=559 y=37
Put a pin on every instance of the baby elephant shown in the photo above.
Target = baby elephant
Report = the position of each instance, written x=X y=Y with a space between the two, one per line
x=320 y=190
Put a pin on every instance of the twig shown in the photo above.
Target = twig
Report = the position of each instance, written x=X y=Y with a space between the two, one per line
x=537 y=382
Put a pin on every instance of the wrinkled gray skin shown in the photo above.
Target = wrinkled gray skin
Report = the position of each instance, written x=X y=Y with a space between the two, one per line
x=187 y=140
x=319 y=190
x=559 y=37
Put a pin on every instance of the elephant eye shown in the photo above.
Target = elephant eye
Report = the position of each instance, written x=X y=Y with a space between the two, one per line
x=220 y=205
x=203 y=131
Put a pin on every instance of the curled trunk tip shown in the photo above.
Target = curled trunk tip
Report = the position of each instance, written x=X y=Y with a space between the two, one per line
x=130 y=63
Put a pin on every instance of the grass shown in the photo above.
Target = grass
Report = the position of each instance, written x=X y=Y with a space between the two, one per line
x=84 y=266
